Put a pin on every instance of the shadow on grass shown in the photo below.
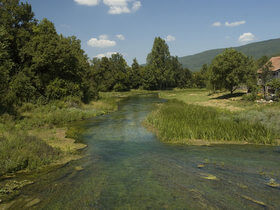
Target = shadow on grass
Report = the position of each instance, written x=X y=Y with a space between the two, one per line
x=228 y=96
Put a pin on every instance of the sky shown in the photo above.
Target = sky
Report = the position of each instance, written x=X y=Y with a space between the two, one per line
x=188 y=26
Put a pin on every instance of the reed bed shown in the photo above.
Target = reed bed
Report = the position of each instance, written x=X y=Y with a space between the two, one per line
x=178 y=122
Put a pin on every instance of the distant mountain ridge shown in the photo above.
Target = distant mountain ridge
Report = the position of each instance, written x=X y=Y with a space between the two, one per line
x=256 y=50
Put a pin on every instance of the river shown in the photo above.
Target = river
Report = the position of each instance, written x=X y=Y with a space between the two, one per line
x=127 y=167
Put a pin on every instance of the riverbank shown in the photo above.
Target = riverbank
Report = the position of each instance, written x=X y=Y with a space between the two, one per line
x=42 y=136
x=39 y=135
x=195 y=117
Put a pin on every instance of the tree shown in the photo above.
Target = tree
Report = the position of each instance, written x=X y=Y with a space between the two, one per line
x=262 y=61
x=163 y=70
x=265 y=75
x=120 y=73
x=36 y=62
x=135 y=75
x=228 y=70
x=200 y=78
x=275 y=85
x=159 y=60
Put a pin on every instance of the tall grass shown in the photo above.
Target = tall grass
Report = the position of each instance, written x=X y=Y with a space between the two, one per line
x=20 y=151
x=176 y=121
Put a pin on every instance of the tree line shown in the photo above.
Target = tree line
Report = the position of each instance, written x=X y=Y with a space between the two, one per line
x=38 y=65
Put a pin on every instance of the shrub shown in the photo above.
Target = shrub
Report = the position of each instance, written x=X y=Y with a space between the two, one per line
x=250 y=97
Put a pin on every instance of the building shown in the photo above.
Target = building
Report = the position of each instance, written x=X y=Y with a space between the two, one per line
x=275 y=71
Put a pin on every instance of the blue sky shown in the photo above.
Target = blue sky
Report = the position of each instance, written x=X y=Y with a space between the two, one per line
x=190 y=26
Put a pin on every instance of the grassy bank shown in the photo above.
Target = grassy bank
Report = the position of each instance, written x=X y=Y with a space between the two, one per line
x=38 y=135
x=204 y=118
x=178 y=122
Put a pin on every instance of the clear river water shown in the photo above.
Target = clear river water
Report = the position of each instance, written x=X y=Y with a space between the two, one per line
x=126 y=167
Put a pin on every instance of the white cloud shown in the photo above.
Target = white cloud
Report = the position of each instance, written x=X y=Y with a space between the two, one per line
x=120 y=37
x=170 y=38
x=108 y=54
x=102 y=42
x=247 y=37
x=103 y=37
x=234 y=24
x=87 y=2
x=115 y=6
x=217 y=24
x=122 y=6
x=136 y=6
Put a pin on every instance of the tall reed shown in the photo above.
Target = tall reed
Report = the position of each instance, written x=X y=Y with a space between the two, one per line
x=176 y=121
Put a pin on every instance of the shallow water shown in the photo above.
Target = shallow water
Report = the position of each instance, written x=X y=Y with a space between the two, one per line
x=126 y=167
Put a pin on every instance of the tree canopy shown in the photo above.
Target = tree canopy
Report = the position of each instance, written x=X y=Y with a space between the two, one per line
x=228 y=70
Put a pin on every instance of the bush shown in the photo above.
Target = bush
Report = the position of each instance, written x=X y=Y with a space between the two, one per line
x=60 y=88
x=119 y=87
x=250 y=97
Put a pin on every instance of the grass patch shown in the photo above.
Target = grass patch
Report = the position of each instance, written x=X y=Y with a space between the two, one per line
x=222 y=100
x=178 y=122
x=19 y=151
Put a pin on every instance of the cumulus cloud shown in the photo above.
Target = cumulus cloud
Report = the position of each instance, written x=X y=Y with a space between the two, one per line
x=234 y=24
x=120 y=37
x=87 y=2
x=247 y=37
x=101 y=42
x=217 y=24
x=116 y=7
x=108 y=54
x=170 y=38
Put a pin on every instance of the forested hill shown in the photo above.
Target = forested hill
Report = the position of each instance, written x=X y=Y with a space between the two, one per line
x=256 y=50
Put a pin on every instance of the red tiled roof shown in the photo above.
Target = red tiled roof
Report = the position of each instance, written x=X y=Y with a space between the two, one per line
x=275 y=61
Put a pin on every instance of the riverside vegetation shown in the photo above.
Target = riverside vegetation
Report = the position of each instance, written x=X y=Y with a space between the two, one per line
x=47 y=81
x=194 y=117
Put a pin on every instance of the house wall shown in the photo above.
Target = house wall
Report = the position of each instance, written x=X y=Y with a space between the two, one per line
x=276 y=74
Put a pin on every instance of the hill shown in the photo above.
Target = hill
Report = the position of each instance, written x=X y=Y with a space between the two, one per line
x=256 y=50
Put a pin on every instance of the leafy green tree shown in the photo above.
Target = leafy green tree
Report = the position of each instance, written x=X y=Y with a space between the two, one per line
x=262 y=61
x=6 y=65
x=265 y=76
x=135 y=75
x=275 y=85
x=149 y=80
x=228 y=70
x=184 y=79
x=163 y=70
x=18 y=20
x=159 y=60
x=251 y=77
x=102 y=75
x=200 y=78
x=111 y=74
x=119 y=69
